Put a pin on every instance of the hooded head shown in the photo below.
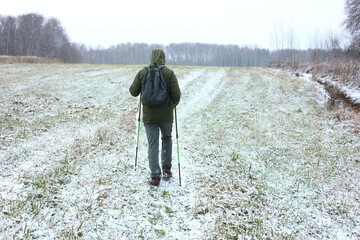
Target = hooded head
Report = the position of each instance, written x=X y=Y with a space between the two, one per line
x=157 y=57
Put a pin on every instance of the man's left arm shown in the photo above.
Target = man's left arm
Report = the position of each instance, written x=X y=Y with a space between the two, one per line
x=135 y=87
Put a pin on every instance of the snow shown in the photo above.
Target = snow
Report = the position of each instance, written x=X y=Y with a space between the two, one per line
x=260 y=158
x=352 y=93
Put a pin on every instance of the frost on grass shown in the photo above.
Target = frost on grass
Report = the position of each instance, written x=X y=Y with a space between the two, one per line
x=283 y=164
x=260 y=158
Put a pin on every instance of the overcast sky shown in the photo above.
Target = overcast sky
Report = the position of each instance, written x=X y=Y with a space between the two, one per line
x=241 y=22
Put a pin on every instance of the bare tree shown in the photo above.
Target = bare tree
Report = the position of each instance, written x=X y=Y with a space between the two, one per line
x=352 y=21
x=277 y=39
x=277 y=36
x=333 y=44
x=292 y=44
x=8 y=36
x=29 y=34
x=53 y=38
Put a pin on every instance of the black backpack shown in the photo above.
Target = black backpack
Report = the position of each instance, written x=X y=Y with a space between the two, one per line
x=153 y=87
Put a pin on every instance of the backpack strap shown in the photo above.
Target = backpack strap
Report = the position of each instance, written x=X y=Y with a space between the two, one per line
x=167 y=87
x=147 y=71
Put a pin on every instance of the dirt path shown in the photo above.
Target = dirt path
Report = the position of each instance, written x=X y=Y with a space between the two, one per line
x=173 y=204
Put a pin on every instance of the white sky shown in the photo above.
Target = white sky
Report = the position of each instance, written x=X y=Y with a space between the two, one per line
x=109 y=22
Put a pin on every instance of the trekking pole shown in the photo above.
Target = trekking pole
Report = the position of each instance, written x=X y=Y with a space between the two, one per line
x=137 y=138
x=178 y=152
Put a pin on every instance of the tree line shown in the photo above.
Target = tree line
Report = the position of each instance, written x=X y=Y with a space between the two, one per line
x=33 y=35
x=179 y=54
x=322 y=47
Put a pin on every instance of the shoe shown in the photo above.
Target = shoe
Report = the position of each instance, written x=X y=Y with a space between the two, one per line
x=154 y=181
x=167 y=173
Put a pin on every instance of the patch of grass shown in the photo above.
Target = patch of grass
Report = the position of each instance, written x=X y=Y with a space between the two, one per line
x=229 y=228
x=168 y=210
x=160 y=232
x=32 y=204
x=165 y=194
x=13 y=208
x=36 y=204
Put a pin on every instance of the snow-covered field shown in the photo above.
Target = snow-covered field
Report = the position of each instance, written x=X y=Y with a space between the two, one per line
x=260 y=158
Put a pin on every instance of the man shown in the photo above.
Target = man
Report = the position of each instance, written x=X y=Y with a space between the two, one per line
x=157 y=118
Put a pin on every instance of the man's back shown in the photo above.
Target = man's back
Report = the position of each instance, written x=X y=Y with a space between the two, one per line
x=163 y=112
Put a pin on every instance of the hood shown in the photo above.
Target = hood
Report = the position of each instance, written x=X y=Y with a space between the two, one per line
x=157 y=57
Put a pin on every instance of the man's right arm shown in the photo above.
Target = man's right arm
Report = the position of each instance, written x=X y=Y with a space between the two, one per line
x=174 y=89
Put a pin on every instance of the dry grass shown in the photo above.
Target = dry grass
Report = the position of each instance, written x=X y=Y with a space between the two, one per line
x=27 y=59
x=345 y=71
x=340 y=78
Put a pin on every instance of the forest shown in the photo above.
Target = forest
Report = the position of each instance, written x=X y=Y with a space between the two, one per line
x=34 y=35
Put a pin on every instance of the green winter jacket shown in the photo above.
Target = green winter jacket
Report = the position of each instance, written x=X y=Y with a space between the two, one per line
x=163 y=112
